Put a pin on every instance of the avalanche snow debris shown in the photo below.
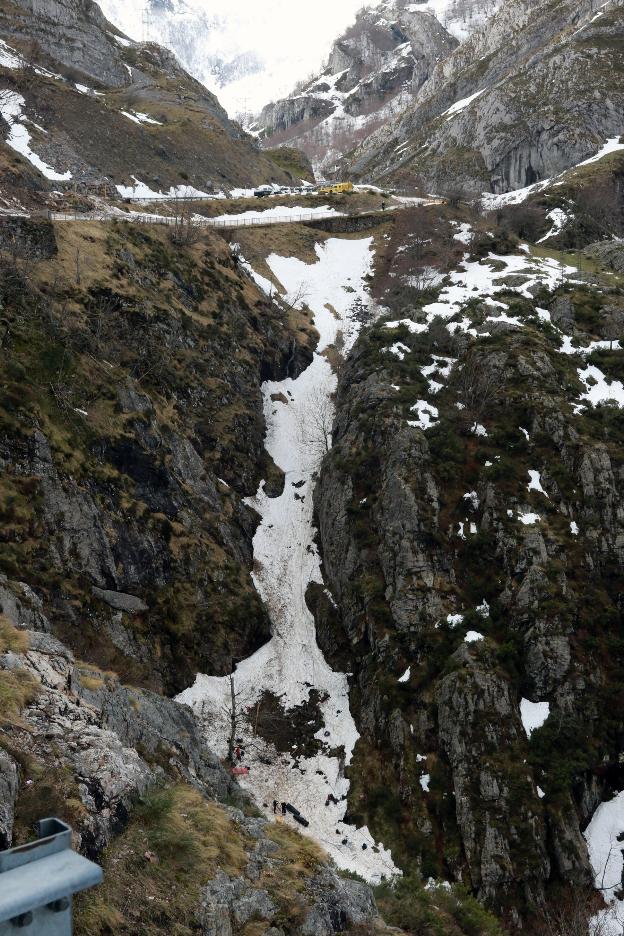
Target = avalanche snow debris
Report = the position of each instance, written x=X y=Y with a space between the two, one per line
x=286 y=560
x=141 y=191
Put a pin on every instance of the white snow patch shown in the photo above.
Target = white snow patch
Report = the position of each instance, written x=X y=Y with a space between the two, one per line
x=425 y=781
x=574 y=530
x=558 y=218
x=527 y=518
x=492 y=202
x=483 y=609
x=406 y=675
x=597 y=388
x=399 y=350
x=427 y=415
x=9 y=58
x=12 y=110
x=612 y=145
x=473 y=637
x=533 y=715
x=535 y=482
x=282 y=211
x=607 y=861
x=140 y=118
x=415 y=328
x=463 y=233
x=459 y=106
x=473 y=497
x=286 y=561
x=454 y=619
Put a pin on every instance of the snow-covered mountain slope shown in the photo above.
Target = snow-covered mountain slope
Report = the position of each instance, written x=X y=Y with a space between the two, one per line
x=373 y=70
x=250 y=53
x=535 y=91
x=72 y=87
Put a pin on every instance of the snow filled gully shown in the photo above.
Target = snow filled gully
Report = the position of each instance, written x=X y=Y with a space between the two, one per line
x=291 y=667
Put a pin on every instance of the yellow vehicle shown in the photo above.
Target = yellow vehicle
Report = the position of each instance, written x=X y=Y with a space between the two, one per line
x=338 y=189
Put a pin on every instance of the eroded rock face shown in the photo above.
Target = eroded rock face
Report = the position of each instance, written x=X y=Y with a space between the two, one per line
x=372 y=72
x=8 y=795
x=76 y=33
x=95 y=727
x=333 y=904
x=449 y=610
x=150 y=522
x=510 y=85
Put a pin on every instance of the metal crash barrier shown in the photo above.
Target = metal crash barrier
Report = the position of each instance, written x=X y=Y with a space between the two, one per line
x=38 y=881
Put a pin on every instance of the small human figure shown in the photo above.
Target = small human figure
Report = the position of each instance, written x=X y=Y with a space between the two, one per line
x=331 y=799
x=275 y=805
x=238 y=753
x=283 y=809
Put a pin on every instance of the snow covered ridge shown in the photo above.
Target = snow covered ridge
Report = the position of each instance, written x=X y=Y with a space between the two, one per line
x=291 y=666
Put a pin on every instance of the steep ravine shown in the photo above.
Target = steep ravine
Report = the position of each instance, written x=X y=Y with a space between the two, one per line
x=289 y=675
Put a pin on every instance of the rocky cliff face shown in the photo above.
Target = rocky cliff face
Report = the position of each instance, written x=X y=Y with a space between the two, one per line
x=129 y=439
x=461 y=17
x=130 y=770
x=470 y=522
x=517 y=102
x=372 y=72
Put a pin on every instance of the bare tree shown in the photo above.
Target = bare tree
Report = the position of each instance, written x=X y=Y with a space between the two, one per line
x=298 y=300
x=479 y=384
x=424 y=278
x=315 y=420
x=185 y=229
x=577 y=915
